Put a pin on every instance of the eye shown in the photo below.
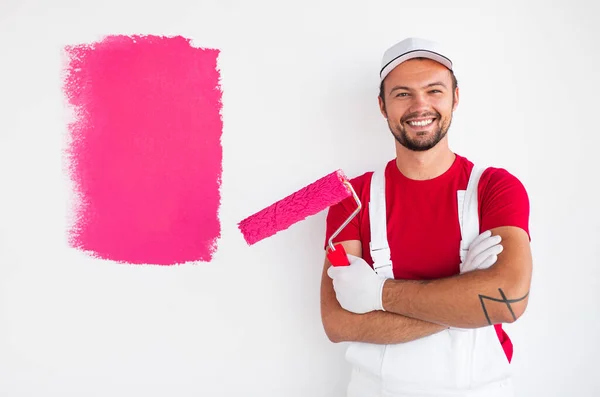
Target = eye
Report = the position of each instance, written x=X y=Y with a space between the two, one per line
x=435 y=92
x=402 y=94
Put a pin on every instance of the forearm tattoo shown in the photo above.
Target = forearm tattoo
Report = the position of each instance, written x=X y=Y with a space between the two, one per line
x=483 y=298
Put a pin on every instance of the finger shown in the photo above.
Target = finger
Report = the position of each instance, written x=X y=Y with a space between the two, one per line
x=466 y=269
x=336 y=289
x=488 y=262
x=359 y=265
x=484 y=245
x=353 y=260
x=341 y=273
x=480 y=238
x=332 y=272
x=482 y=261
x=493 y=250
x=483 y=257
x=357 y=261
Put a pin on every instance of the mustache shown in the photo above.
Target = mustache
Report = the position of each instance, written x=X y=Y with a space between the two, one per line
x=420 y=115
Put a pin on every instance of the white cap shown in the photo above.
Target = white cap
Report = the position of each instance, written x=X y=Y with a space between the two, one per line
x=412 y=48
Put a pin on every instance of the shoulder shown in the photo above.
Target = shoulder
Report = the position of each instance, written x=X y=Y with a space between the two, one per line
x=362 y=182
x=492 y=178
x=504 y=200
x=496 y=180
x=504 y=197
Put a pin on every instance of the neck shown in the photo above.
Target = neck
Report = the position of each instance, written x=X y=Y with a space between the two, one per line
x=424 y=165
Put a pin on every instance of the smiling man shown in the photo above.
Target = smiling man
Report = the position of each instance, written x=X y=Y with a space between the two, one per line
x=439 y=254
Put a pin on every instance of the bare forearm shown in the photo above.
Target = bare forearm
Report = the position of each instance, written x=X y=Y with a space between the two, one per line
x=470 y=300
x=478 y=298
x=377 y=327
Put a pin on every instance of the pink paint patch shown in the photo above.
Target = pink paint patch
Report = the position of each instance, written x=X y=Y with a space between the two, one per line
x=145 y=152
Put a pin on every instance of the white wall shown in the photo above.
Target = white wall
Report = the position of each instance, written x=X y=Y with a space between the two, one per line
x=300 y=86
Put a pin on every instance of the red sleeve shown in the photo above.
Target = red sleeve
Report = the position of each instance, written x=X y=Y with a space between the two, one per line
x=503 y=201
x=337 y=215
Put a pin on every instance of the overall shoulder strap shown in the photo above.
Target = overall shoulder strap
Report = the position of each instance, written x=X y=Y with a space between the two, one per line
x=468 y=211
x=379 y=246
x=468 y=219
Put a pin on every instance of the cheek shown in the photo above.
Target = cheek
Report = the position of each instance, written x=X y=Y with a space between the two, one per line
x=444 y=105
x=396 y=110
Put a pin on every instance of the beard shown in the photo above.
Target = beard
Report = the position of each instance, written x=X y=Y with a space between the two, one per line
x=416 y=144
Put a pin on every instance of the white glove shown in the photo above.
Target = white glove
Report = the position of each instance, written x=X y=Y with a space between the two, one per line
x=357 y=287
x=483 y=252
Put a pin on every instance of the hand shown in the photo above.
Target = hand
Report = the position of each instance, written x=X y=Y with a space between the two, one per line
x=357 y=287
x=483 y=252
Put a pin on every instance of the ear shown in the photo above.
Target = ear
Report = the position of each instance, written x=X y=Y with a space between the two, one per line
x=382 y=107
x=456 y=95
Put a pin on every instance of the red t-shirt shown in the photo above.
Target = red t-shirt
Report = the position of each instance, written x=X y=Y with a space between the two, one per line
x=422 y=217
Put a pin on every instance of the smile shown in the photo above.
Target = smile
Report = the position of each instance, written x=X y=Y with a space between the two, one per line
x=420 y=123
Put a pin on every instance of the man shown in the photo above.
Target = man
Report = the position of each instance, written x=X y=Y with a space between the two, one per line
x=438 y=261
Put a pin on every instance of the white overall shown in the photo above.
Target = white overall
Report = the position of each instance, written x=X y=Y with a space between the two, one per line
x=455 y=362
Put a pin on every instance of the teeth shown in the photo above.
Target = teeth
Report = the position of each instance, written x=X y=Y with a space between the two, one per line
x=421 y=123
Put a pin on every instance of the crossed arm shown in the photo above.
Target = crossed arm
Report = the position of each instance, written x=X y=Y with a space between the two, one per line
x=374 y=327
x=415 y=309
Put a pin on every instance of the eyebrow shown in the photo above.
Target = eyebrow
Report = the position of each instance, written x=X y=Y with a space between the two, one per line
x=401 y=87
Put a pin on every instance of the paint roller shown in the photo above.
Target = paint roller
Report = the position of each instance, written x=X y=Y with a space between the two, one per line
x=310 y=200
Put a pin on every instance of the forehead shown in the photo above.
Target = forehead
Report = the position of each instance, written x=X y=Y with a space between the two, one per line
x=418 y=72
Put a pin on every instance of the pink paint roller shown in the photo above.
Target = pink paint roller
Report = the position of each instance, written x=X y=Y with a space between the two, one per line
x=308 y=201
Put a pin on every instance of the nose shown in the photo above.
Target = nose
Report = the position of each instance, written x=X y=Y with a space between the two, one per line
x=419 y=103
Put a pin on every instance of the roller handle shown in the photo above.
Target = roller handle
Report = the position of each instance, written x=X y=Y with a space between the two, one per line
x=337 y=256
